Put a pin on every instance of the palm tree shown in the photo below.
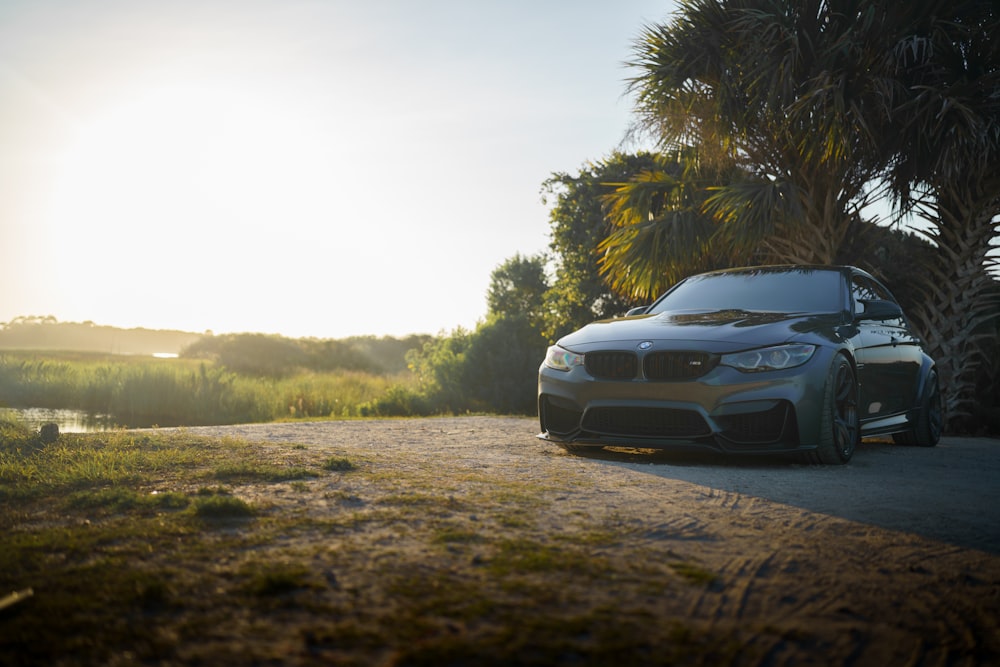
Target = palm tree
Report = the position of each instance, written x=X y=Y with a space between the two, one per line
x=824 y=104
x=946 y=171
x=660 y=231
x=782 y=90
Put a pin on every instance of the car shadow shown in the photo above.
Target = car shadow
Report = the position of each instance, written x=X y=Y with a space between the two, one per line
x=699 y=456
x=948 y=492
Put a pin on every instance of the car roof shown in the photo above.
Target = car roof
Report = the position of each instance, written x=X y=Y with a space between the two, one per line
x=786 y=267
x=776 y=268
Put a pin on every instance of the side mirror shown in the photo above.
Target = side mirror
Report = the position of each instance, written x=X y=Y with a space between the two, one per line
x=640 y=310
x=878 y=310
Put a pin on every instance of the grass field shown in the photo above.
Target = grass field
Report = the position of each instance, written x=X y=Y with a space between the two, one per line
x=140 y=392
x=164 y=548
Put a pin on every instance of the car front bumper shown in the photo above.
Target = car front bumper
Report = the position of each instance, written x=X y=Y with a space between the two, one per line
x=727 y=410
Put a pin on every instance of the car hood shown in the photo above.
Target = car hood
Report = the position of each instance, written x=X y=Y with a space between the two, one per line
x=717 y=331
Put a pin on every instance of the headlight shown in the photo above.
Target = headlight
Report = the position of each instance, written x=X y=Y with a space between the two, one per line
x=774 y=358
x=561 y=359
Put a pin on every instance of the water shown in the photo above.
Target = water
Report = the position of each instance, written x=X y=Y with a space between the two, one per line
x=69 y=421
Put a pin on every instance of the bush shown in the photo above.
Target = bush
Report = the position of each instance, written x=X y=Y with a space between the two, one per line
x=493 y=369
x=398 y=401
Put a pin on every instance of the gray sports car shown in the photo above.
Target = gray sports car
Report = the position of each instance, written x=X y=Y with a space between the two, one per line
x=762 y=359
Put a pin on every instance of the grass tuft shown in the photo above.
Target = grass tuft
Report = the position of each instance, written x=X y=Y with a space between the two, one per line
x=250 y=472
x=220 y=507
x=693 y=574
x=338 y=464
x=272 y=579
x=121 y=499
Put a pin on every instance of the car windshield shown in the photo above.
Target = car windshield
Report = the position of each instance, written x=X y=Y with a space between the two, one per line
x=795 y=290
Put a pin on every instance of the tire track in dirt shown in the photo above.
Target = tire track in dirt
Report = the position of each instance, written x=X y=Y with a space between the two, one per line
x=853 y=592
x=866 y=595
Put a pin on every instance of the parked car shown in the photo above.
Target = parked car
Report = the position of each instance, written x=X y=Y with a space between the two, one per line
x=762 y=359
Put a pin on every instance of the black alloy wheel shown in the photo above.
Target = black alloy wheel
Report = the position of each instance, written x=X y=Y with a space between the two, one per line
x=839 y=432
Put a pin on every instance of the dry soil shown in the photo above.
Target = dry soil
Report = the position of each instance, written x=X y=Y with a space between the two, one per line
x=893 y=559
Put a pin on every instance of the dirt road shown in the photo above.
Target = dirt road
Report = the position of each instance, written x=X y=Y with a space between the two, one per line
x=949 y=493
x=893 y=559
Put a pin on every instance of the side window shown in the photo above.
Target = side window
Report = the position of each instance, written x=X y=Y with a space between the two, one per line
x=862 y=289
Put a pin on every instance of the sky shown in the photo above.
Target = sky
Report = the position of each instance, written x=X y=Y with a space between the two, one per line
x=320 y=168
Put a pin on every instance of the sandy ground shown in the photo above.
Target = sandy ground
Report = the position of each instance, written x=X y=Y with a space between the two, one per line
x=893 y=559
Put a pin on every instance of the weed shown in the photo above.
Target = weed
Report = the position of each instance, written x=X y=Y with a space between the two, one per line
x=693 y=574
x=270 y=579
x=249 y=472
x=215 y=506
x=120 y=499
x=529 y=555
x=338 y=464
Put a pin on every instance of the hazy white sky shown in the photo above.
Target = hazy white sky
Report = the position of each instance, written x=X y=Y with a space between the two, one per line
x=311 y=168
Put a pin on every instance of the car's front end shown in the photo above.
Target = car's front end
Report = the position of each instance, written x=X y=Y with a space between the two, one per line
x=733 y=382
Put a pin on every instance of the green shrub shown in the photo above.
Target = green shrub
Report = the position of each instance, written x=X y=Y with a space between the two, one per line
x=397 y=401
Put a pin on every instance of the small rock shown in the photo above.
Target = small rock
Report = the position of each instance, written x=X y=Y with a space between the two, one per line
x=49 y=433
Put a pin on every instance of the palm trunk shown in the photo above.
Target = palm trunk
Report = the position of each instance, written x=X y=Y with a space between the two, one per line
x=958 y=287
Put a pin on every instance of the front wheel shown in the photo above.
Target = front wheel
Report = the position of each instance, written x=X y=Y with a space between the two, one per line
x=839 y=433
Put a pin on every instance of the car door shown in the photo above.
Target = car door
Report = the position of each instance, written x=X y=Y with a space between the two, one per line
x=877 y=357
x=904 y=375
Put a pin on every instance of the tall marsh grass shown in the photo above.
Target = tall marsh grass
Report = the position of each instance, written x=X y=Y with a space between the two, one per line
x=144 y=391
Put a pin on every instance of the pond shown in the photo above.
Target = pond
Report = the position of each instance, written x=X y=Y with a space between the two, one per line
x=69 y=421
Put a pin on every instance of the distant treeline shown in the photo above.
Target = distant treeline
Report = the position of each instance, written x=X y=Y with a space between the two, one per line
x=276 y=356
x=250 y=354
x=47 y=333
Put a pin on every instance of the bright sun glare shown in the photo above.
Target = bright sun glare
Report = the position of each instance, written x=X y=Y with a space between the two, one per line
x=203 y=159
x=185 y=189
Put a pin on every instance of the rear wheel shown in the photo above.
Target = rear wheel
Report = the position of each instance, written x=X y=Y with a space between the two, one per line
x=839 y=432
x=926 y=432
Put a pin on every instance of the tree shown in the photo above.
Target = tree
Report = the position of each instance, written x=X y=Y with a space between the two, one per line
x=661 y=232
x=783 y=90
x=946 y=170
x=826 y=104
x=517 y=287
x=579 y=224
x=495 y=367
x=501 y=366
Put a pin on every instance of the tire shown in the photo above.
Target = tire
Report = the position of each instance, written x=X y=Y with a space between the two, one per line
x=839 y=431
x=926 y=432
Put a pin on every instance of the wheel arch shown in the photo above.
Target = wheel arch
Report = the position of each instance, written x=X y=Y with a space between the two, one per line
x=809 y=412
x=927 y=366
